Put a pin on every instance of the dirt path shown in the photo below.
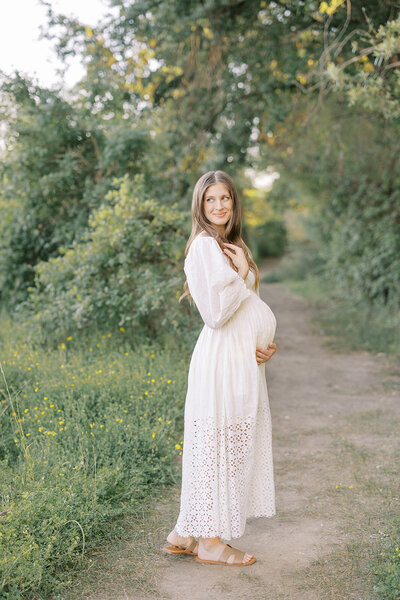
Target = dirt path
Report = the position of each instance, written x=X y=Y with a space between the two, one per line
x=335 y=427
x=320 y=403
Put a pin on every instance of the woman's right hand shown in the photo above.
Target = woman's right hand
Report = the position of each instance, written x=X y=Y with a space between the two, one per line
x=238 y=258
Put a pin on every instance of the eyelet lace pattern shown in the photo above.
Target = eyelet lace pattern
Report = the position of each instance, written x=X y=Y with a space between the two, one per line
x=227 y=475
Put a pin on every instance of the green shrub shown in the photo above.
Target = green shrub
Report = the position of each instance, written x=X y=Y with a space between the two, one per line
x=269 y=239
x=125 y=271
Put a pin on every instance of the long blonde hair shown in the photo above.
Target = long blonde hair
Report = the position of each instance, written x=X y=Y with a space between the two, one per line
x=201 y=223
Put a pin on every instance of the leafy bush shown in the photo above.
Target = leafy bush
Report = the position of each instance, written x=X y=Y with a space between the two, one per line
x=125 y=271
x=363 y=253
x=47 y=178
x=269 y=239
x=345 y=171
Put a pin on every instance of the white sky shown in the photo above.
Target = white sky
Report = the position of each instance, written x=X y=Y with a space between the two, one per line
x=20 y=47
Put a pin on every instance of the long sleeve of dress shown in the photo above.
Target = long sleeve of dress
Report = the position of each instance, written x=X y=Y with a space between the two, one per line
x=215 y=287
x=250 y=280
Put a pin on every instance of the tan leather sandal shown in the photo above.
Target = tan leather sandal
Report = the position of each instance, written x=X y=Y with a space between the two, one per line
x=228 y=556
x=182 y=549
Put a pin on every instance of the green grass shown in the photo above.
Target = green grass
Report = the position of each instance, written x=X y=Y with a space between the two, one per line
x=88 y=432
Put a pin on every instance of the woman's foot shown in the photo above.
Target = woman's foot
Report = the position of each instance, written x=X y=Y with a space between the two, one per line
x=182 y=542
x=217 y=552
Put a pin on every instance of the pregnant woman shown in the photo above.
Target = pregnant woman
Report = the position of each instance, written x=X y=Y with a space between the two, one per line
x=227 y=467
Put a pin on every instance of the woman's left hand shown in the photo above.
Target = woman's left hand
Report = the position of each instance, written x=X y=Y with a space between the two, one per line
x=264 y=354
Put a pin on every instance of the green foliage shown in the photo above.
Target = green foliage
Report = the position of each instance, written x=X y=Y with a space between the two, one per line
x=363 y=255
x=59 y=165
x=46 y=178
x=300 y=261
x=133 y=114
x=345 y=169
x=346 y=321
x=269 y=239
x=126 y=271
x=374 y=84
x=87 y=433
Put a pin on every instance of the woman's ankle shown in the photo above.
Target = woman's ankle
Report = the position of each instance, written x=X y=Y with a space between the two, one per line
x=209 y=542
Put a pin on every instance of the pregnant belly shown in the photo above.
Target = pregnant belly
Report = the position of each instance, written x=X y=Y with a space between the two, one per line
x=261 y=320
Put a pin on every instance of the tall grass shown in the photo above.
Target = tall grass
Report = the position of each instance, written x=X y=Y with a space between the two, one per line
x=87 y=432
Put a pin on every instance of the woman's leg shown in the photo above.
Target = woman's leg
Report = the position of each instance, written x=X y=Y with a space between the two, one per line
x=177 y=540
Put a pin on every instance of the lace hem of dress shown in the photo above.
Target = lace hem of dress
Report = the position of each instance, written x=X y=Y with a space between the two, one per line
x=224 y=481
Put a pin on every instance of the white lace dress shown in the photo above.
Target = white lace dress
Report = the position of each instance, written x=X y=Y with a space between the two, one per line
x=227 y=467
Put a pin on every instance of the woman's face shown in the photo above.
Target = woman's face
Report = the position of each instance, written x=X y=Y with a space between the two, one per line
x=218 y=206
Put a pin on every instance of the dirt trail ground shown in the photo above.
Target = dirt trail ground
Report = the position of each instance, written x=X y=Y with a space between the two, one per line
x=335 y=425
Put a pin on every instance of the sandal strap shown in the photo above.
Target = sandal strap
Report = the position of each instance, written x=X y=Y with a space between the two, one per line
x=228 y=551
x=192 y=545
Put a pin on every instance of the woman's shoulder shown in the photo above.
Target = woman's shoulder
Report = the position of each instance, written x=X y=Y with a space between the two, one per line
x=203 y=234
x=202 y=239
x=204 y=246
